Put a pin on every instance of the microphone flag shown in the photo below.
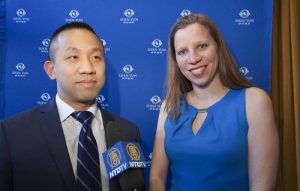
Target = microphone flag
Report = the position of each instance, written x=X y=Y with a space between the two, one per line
x=122 y=156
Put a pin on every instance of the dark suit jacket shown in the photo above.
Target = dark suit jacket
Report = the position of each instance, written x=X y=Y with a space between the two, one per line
x=34 y=155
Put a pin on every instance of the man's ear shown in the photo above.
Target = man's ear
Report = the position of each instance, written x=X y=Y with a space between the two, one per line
x=49 y=69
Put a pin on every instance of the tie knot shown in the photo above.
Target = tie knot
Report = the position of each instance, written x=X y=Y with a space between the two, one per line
x=83 y=116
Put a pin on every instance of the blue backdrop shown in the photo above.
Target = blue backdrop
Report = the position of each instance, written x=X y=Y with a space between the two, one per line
x=135 y=36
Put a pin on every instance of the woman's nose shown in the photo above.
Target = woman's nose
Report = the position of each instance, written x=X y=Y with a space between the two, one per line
x=194 y=57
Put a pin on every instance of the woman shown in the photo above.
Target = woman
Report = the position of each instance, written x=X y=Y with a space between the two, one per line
x=215 y=131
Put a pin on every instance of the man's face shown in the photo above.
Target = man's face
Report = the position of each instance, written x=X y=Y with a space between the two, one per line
x=78 y=66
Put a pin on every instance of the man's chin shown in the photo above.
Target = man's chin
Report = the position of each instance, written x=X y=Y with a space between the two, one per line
x=87 y=99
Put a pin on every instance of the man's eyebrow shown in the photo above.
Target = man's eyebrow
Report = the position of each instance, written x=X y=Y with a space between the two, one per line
x=97 y=49
x=76 y=49
x=71 y=49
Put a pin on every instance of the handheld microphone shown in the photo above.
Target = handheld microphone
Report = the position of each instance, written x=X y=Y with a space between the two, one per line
x=123 y=160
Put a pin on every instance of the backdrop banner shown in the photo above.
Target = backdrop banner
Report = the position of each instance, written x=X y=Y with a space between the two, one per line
x=134 y=34
x=2 y=56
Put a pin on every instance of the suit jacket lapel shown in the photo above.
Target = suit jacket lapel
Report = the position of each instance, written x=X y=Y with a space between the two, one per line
x=106 y=117
x=50 y=123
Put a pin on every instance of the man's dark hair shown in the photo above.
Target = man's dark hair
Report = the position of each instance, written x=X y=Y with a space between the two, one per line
x=67 y=26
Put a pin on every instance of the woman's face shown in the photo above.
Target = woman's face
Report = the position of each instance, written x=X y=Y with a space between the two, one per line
x=196 y=54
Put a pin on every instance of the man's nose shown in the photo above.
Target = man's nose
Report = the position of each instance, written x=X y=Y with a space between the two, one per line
x=87 y=66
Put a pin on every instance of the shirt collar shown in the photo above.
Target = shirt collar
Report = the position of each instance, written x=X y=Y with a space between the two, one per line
x=65 y=110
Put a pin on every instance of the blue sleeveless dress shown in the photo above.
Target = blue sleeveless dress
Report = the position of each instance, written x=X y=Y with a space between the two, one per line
x=216 y=158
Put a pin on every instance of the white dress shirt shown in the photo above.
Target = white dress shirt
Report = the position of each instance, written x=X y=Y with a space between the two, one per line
x=71 y=128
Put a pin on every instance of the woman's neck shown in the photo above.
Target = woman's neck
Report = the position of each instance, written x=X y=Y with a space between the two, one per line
x=205 y=97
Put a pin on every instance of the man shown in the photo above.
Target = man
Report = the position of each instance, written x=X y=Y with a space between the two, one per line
x=45 y=148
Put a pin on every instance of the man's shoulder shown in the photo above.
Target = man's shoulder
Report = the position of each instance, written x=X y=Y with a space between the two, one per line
x=118 y=119
x=27 y=115
x=129 y=128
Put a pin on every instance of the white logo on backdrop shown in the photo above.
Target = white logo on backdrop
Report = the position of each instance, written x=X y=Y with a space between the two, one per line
x=129 y=19
x=104 y=43
x=45 y=97
x=128 y=69
x=157 y=47
x=185 y=12
x=101 y=100
x=244 y=72
x=156 y=43
x=128 y=73
x=74 y=13
x=128 y=12
x=21 y=19
x=20 y=66
x=244 y=18
x=45 y=43
x=21 y=12
x=150 y=156
x=155 y=102
x=149 y=162
x=244 y=13
x=20 y=72
x=74 y=16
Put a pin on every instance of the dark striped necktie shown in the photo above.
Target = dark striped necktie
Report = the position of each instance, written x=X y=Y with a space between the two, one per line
x=88 y=166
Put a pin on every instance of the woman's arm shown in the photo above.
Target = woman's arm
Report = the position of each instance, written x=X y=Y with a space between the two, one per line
x=263 y=143
x=160 y=162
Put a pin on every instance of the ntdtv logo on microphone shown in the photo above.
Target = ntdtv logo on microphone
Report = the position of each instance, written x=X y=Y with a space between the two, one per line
x=122 y=156
x=114 y=157
x=133 y=151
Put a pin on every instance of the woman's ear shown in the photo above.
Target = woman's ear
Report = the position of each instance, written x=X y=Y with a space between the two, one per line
x=49 y=69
